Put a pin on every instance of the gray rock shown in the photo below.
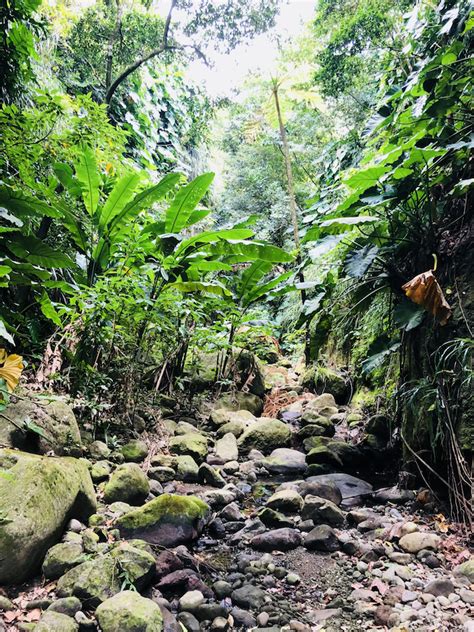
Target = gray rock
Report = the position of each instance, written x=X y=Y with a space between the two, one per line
x=189 y=621
x=394 y=495
x=222 y=589
x=67 y=605
x=62 y=557
x=440 y=587
x=286 y=500
x=286 y=461
x=56 y=622
x=266 y=435
x=415 y=542
x=249 y=596
x=210 y=476
x=191 y=600
x=243 y=619
x=187 y=469
x=226 y=449
x=322 y=511
x=277 y=540
x=99 y=450
x=321 y=538
x=352 y=488
x=135 y=451
x=162 y=474
x=329 y=490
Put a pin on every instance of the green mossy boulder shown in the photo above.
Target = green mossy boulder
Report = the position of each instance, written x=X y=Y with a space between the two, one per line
x=55 y=418
x=38 y=495
x=187 y=469
x=56 y=622
x=168 y=520
x=324 y=380
x=127 y=484
x=129 y=612
x=265 y=435
x=192 y=444
x=134 y=451
x=100 y=471
x=99 y=579
x=61 y=558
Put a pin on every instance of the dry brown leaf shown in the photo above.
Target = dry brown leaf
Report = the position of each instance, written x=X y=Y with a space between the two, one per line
x=33 y=615
x=425 y=290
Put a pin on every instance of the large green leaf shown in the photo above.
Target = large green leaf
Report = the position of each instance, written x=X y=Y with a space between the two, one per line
x=252 y=275
x=201 y=286
x=66 y=177
x=212 y=236
x=88 y=177
x=38 y=252
x=143 y=199
x=243 y=250
x=185 y=201
x=25 y=206
x=120 y=195
x=359 y=261
x=408 y=315
x=265 y=289
x=49 y=310
x=366 y=178
x=4 y=333
x=379 y=351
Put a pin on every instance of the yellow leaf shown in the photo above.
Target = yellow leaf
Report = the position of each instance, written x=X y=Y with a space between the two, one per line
x=11 y=370
x=425 y=290
x=3 y=355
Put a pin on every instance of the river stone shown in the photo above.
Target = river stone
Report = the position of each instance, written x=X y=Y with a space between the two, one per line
x=135 y=451
x=442 y=587
x=286 y=500
x=210 y=476
x=191 y=600
x=352 y=488
x=161 y=474
x=240 y=401
x=329 y=490
x=322 y=511
x=100 y=471
x=191 y=444
x=286 y=461
x=249 y=596
x=98 y=579
x=56 y=622
x=316 y=429
x=274 y=519
x=277 y=540
x=128 y=484
x=236 y=427
x=129 y=612
x=321 y=538
x=322 y=455
x=61 y=557
x=266 y=435
x=226 y=449
x=99 y=450
x=168 y=520
x=187 y=469
x=466 y=569
x=66 y=605
x=38 y=495
x=55 y=418
x=415 y=542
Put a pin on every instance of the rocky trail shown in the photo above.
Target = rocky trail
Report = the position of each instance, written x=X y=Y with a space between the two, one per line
x=229 y=520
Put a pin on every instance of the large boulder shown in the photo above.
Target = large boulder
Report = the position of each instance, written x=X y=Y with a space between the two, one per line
x=55 y=419
x=352 y=489
x=129 y=612
x=191 y=444
x=38 y=495
x=99 y=579
x=324 y=380
x=286 y=461
x=168 y=520
x=127 y=484
x=266 y=435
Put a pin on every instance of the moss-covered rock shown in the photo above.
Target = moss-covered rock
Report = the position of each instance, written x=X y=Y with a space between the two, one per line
x=129 y=612
x=240 y=401
x=127 y=484
x=99 y=579
x=56 y=622
x=55 y=418
x=134 y=451
x=100 y=471
x=265 y=435
x=62 y=557
x=168 y=520
x=99 y=450
x=323 y=380
x=38 y=495
x=192 y=444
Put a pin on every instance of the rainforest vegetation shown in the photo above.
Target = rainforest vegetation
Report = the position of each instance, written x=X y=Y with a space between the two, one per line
x=162 y=249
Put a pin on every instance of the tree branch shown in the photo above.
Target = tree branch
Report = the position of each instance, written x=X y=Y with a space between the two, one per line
x=154 y=53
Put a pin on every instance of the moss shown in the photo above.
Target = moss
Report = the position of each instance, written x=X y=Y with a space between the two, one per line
x=134 y=451
x=127 y=484
x=128 y=612
x=265 y=436
x=166 y=506
x=192 y=444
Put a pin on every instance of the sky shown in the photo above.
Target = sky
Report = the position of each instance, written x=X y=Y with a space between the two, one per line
x=229 y=71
